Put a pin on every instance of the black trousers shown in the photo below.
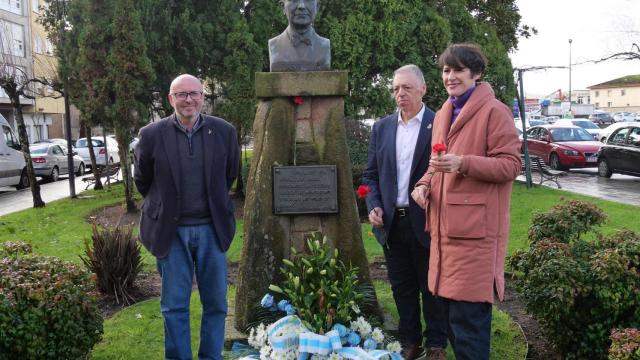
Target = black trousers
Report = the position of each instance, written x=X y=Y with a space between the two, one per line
x=407 y=266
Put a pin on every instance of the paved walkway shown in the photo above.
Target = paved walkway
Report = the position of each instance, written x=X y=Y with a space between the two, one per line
x=619 y=188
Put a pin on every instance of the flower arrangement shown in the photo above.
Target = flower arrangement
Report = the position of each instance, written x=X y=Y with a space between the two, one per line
x=319 y=302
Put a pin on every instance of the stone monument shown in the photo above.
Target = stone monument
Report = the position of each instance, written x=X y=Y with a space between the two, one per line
x=299 y=127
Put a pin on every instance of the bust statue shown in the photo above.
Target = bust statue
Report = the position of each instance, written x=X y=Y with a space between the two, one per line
x=299 y=47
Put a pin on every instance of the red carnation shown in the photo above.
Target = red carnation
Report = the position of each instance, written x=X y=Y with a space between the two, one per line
x=363 y=191
x=298 y=100
x=439 y=149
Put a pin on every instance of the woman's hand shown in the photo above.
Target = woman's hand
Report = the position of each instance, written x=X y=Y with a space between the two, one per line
x=419 y=195
x=446 y=163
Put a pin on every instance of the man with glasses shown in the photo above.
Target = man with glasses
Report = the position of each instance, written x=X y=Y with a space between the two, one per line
x=299 y=47
x=185 y=165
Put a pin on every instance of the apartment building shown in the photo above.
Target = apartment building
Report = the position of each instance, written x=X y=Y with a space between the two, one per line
x=25 y=45
x=621 y=94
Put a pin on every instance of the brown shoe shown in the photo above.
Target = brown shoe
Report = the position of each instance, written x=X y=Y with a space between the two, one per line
x=413 y=352
x=435 y=353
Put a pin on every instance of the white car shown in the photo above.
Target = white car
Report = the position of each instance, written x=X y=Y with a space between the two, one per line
x=606 y=132
x=588 y=125
x=82 y=147
x=623 y=116
x=12 y=165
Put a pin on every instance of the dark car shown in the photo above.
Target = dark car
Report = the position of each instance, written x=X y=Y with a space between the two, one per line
x=563 y=147
x=621 y=153
x=601 y=118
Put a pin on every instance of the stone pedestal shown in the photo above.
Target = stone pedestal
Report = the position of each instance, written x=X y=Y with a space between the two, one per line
x=289 y=132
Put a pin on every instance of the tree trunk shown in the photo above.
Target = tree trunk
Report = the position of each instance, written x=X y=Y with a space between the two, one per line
x=97 y=172
x=123 y=136
x=24 y=143
x=239 y=181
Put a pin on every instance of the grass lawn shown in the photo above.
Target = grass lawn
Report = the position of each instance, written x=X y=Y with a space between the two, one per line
x=60 y=228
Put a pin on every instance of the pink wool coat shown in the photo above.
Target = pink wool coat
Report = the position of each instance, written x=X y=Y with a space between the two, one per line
x=468 y=211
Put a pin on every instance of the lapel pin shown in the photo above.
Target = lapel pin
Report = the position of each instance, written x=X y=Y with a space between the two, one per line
x=210 y=132
x=429 y=126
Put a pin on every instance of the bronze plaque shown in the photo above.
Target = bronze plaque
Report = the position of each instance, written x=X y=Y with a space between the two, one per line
x=305 y=189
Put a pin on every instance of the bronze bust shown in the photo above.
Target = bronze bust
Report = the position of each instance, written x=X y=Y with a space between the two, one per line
x=299 y=47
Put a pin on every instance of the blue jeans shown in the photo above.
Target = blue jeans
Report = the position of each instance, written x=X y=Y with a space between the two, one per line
x=469 y=328
x=195 y=249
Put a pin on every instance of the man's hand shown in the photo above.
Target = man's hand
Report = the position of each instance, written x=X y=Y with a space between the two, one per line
x=375 y=217
x=446 y=163
x=419 y=195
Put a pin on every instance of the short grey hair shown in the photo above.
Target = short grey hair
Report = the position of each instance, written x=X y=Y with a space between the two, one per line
x=411 y=68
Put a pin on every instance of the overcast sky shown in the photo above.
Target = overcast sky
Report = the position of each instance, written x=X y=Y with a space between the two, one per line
x=597 y=27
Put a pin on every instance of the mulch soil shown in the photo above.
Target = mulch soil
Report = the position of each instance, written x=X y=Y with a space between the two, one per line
x=147 y=286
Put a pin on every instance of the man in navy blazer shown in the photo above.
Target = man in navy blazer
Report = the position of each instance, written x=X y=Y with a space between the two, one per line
x=185 y=165
x=398 y=157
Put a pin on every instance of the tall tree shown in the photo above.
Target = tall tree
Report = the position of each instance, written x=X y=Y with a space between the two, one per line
x=15 y=82
x=130 y=72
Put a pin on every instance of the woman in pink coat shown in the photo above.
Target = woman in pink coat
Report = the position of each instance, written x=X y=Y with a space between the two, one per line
x=466 y=193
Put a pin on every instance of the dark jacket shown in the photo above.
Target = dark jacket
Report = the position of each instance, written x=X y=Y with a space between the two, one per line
x=380 y=174
x=157 y=177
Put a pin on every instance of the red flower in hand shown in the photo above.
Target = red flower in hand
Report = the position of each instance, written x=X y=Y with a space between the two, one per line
x=298 y=100
x=363 y=191
x=439 y=149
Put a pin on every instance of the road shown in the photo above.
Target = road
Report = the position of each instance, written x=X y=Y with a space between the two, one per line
x=620 y=188
x=12 y=200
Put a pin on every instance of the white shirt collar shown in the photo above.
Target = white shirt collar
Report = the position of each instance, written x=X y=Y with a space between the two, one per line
x=418 y=116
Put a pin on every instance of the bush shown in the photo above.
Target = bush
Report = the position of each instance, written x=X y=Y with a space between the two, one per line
x=47 y=307
x=114 y=257
x=321 y=288
x=579 y=290
x=625 y=344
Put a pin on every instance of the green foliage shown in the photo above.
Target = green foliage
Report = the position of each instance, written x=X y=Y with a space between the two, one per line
x=114 y=257
x=625 y=344
x=47 y=307
x=577 y=289
x=323 y=290
x=566 y=221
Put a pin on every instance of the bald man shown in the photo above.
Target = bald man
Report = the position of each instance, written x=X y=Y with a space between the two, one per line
x=185 y=165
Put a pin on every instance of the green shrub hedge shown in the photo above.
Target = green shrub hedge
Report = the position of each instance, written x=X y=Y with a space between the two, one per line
x=579 y=290
x=47 y=307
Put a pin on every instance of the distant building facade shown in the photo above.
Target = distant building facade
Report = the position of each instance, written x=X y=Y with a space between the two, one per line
x=25 y=44
x=622 y=94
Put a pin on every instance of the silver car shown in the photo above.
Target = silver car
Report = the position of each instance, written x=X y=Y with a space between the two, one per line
x=49 y=161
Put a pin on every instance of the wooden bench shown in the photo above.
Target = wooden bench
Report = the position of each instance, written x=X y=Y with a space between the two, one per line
x=546 y=173
x=112 y=175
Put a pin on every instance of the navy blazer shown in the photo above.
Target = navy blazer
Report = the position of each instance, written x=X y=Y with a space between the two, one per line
x=380 y=174
x=157 y=177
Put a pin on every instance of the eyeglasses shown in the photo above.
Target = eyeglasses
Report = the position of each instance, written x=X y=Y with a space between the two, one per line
x=195 y=95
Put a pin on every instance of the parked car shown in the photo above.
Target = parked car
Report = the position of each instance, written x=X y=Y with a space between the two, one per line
x=12 y=165
x=588 y=125
x=601 y=118
x=621 y=153
x=50 y=161
x=624 y=116
x=606 y=132
x=563 y=146
x=82 y=147
x=132 y=144
x=57 y=141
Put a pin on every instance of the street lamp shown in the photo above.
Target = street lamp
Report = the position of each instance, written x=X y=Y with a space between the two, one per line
x=570 y=41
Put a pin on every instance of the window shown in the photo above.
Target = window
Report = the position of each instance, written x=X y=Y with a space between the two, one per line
x=618 y=137
x=634 y=137
x=608 y=92
x=38 y=45
x=12 y=39
x=580 y=100
x=622 y=92
x=34 y=5
x=48 y=47
x=8 y=137
x=13 y=6
x=597 y=93
x=597 y=105
x=609 y=104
